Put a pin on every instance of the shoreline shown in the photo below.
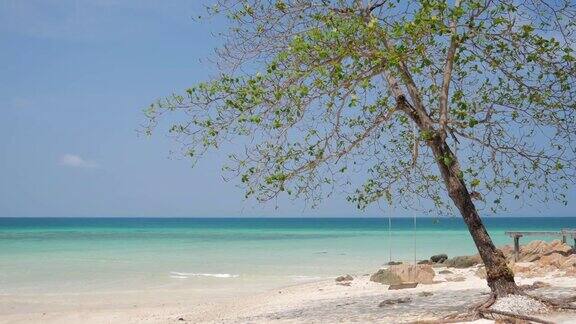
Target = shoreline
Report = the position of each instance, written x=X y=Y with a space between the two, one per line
x=445 y=287
x=313 y=302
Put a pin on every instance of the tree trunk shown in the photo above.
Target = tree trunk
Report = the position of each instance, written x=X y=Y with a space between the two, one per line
x=499 y=276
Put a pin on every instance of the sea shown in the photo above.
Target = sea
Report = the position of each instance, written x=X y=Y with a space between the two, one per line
x=76 y=255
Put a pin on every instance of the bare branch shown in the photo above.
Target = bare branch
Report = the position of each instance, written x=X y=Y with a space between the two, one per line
x=447 y=75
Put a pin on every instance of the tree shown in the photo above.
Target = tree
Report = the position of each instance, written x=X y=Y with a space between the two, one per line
x=472 y=99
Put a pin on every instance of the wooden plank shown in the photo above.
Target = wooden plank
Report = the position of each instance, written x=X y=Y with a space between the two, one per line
x=534 y=233
x=516 y=235
x=516 y=248
x=403 y=286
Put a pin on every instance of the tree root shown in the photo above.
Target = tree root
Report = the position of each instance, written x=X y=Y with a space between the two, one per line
x=559 y=304
x=570 y=299
x=472 y=313
x=482 y=310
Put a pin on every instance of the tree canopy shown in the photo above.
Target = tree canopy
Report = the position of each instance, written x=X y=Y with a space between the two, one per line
x=319 y=90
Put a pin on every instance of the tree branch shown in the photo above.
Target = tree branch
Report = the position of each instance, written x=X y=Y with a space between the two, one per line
x=447 y=75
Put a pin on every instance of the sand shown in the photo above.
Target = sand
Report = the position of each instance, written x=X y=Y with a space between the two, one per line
x=315 y=302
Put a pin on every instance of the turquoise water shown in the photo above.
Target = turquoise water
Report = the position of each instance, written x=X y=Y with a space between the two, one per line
x=104 y=254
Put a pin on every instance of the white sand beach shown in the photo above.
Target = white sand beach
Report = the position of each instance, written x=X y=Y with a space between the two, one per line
x=287 y=161
x=323 y=301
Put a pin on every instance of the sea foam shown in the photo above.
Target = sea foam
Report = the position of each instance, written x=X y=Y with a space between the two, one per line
x=184 y=275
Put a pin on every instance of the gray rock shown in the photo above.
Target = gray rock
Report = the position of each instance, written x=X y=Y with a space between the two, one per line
x=395 y=301
x=536 y=285
x=445 y=272
x=439 y=258
x=386 y=277
x=426 y=294
x=344 y=278
x=462 y=262
x=345 y=283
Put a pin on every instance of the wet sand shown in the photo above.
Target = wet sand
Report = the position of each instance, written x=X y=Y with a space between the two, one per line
x=315 y=302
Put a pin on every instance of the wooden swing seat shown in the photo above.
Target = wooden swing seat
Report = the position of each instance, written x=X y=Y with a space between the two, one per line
x=404 y=285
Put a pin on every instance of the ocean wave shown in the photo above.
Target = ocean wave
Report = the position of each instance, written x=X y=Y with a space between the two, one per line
x=178 y=277
x=184 y=275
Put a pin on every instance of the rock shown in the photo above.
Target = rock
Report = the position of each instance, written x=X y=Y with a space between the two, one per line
x=386 y=277
x=425 y=294
x=463 y=261
x=424 y=262
x=345 y=283
x=555 y=263
x=421 y=273
x=181 y=318
x=536 y=258
x=395 y=301
x=344 y=278
x=570 y=263
x=439 y=258
x=525 y=269
x=445 y=271
x=394 y=263
x=571 y=272
x=535 y=285
x=555 y=260
x=535 y=250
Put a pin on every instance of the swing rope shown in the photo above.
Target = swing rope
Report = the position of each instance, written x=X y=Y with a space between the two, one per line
x=414 y=224
x=414 y=157
x=414 y=238
x=390 y=235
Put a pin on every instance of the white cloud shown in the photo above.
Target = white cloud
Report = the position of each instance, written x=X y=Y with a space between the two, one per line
x=76 y=161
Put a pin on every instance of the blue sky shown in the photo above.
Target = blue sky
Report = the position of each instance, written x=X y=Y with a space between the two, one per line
x=75 y=77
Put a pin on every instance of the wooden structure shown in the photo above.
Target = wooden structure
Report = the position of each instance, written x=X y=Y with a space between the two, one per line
x=564 y=233
x=403 y=286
